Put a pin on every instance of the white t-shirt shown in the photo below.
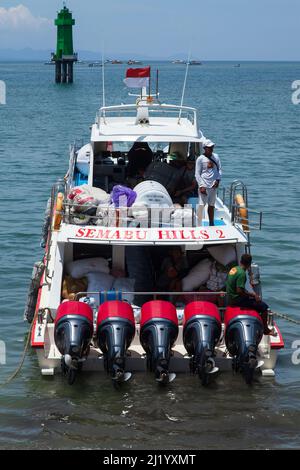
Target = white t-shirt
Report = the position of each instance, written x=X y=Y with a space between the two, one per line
x=206 y=172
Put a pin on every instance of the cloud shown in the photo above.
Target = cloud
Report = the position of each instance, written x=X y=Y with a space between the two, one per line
x=21 y=18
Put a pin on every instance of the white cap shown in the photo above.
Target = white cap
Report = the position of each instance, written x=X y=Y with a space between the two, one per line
x=208 y=143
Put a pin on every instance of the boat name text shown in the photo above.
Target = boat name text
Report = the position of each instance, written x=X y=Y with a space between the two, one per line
x=140 y=235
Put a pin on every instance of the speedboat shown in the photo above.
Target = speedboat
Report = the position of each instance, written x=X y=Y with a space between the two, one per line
x=131 y=281
x=134 y=62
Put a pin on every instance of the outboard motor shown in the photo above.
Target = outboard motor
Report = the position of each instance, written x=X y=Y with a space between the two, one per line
x=201 y=332
x=243 y=333
x=115 y=332
x=73 y=333
x=159 y=330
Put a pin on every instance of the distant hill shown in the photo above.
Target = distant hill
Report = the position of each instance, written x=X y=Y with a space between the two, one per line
x=24 y=54
x=28 y=55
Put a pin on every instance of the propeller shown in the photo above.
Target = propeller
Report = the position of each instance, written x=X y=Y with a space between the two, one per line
x=166 y=377
x=70 y=362
x=121 y=376
x=260 y=364
x=210 y=367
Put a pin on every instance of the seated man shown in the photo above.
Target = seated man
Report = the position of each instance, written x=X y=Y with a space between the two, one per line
x=238 y=296
x=173 y=268
x=139 y=158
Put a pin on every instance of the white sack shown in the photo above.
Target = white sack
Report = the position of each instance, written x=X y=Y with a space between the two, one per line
x=197 y=276
x=99 y=282
x=81 y=267
x=224 y=254
x=85 y=196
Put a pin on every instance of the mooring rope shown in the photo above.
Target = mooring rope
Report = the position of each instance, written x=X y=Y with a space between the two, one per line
x=286 y=317
x=15 y=373
x=18 y=369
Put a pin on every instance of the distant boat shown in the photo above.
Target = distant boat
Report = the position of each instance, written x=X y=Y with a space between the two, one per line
x=134 y=62
x=95 y=64
x=184 y=62
x=116 y=62
x=237 y=65
x=49 y=63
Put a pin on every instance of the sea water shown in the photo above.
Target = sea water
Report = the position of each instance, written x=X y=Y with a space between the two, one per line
x=248 y=112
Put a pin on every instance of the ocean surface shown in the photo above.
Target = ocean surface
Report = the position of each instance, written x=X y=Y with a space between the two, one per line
x=248 y=112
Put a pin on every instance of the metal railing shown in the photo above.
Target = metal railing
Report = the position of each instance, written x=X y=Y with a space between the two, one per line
x=238 y=185
x=156 y=294
x=59 y=186
x=248 y=223
x=153 y=109
x=154 y=217
x=180 y=299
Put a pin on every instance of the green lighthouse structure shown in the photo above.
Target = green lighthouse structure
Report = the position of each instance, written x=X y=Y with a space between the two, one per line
x=64 y=57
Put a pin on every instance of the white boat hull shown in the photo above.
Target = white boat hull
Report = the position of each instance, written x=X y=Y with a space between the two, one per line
x=49 y=357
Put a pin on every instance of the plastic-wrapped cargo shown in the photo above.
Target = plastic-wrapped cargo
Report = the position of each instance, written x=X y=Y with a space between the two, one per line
x=224 y=254
x=85 y=197
x=81 y=267
x=197 y=276
x=122 y=196
x=151 y=194
x=182 y=217
x=99 y=281
x=79 y=218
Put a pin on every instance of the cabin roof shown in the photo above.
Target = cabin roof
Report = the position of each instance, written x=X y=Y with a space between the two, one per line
x=165 y=123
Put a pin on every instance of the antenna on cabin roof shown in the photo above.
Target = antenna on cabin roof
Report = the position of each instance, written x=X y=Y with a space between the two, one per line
x=103 y=79
x=184 y=84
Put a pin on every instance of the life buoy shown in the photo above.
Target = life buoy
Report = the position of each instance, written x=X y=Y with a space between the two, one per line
x=58 y=211
x=243 y=212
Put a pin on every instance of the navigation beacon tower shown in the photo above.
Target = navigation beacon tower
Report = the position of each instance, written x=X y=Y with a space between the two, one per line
x=64 y=57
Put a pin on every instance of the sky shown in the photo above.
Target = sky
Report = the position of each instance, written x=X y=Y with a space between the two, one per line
x=212 y=29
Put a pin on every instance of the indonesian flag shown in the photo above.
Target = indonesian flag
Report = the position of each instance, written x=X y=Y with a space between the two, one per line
x=137 y=78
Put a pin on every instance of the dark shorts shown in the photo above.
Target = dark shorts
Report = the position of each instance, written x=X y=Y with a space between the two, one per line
x=249 y=302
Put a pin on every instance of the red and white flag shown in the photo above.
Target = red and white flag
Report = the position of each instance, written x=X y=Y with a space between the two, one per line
x=137 y=78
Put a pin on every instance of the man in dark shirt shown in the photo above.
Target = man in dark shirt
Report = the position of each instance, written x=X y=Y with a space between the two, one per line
x=238 y=296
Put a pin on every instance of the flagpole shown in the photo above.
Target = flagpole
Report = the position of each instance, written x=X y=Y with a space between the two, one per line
x=103 y=81
x=184 y=85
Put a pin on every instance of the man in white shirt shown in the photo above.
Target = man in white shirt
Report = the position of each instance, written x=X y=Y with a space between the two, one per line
x=208 y=174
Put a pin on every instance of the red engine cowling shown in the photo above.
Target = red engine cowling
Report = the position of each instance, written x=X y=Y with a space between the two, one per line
x=115 y=332
x=159 y=331
x=199 y=308
x=201 y=332
x=231 y=313
x=73 y=333
x=243 y=333
x=72 y=307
